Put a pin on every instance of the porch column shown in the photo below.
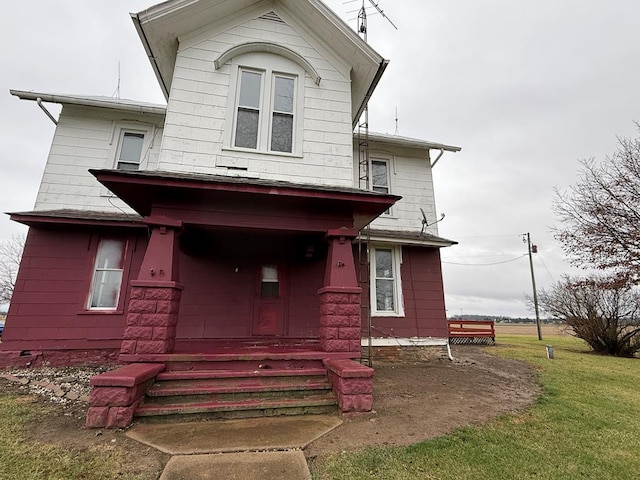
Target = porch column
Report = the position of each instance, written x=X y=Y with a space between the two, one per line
x=340 y=296
x=152 y=313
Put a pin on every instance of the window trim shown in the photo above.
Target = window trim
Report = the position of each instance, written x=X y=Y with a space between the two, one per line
x=117 y=136
x=396 y=263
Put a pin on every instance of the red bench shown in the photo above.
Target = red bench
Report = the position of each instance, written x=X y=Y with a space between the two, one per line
x=471 y=332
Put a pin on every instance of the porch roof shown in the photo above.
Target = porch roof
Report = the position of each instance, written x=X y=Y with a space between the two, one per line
x=246 y=202
x=78 y=217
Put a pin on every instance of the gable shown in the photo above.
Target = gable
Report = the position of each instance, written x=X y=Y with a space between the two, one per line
x=164 y=27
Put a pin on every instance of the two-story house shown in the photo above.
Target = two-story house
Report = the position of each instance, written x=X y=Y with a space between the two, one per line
x=238 y=223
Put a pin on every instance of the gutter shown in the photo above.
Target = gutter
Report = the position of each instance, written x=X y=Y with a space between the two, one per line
x=374 y=83
x=147 y=48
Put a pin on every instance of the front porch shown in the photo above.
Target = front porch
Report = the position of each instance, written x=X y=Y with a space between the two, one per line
x=247 y=300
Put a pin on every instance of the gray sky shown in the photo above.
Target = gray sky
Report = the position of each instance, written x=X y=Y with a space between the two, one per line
x=525 y=88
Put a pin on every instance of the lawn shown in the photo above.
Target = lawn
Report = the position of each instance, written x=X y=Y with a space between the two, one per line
x=28 y=459
x=586 y=425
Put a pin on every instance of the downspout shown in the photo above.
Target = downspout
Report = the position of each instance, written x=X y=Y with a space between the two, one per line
x=437 y=158
x=44 y=109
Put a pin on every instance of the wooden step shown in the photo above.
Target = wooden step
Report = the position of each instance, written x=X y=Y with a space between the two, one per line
x=256 y=405
x=237 y=385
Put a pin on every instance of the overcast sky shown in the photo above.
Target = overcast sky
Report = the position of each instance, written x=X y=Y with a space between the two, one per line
x=525 y=88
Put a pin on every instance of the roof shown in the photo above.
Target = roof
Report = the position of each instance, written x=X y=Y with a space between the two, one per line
x=92 y=101
x=409 y=238
x=83 y=217
x=145 y=190
x=161 y=26
x=409 y=142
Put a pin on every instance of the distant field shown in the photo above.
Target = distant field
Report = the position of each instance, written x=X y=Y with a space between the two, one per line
x=529 y=329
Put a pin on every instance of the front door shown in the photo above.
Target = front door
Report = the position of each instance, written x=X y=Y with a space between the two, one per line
x=269 y=311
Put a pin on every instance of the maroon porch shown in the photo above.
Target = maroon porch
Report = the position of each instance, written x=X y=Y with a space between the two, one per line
x=215 y=269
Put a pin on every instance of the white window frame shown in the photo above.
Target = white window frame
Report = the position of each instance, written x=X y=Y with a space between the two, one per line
x=96 y=269
x=117 y=136
x=270 y=66
x=389 y=163
x=396 y=263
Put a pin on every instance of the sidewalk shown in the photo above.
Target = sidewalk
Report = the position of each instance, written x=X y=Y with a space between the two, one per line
x=248 y=449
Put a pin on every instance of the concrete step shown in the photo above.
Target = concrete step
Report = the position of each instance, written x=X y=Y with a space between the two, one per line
x=208 y=385
x=248 y=371
x=247 y=407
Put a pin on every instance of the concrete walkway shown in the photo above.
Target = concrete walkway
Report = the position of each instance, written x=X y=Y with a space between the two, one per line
x=248 y=449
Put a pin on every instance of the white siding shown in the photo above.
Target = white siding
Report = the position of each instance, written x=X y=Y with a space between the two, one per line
x=410 y=177
x=87 y=138
x=197 y=114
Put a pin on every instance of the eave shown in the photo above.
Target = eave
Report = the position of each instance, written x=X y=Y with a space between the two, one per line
x=40 y=218
x=419 y=239
x=93 y=101
x=144 y=191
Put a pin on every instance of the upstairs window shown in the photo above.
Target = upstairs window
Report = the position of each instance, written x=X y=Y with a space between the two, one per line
x=130 y=150
x=266 y=111
x=107 y=275
x=248 y=115
x=380 y=176
x=282 y=114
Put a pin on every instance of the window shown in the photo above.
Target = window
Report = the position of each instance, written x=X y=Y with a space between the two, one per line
x=380 y=176
x=248 y=115
x=386 y=291
x=266 y=108
x=107 y=275
x=282 y=114
x=270 y=286
x=280 y=107
x=130 y=151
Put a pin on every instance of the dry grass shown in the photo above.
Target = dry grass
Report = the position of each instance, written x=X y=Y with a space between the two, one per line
x=530 y=329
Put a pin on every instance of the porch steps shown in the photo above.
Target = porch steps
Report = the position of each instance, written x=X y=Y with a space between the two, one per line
x=238 y=388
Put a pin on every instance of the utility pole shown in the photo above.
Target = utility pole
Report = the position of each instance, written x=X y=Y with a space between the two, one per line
x=534 y=249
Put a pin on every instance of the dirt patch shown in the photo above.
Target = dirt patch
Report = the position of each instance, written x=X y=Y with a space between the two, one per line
x=412 y=401
x=417 y=401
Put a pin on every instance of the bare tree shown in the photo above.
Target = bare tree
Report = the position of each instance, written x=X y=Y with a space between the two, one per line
x=10 y=257
x=604 y=313
x=600 y=216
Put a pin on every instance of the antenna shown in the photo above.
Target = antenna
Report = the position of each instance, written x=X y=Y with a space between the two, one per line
x=116 y=94
x=397 y=132
x=425 y=222
x=381 y=12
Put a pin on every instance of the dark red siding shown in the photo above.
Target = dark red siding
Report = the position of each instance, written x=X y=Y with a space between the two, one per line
x=48 y=309
x=422 y=289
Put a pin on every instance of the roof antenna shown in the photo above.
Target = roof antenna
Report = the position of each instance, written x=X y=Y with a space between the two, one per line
x=381 y=12
x=116 y=94
x=397 y=132
x=362 y=22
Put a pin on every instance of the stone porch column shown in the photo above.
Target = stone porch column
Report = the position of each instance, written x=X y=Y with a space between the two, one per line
x=340 y=296
x=152 y=313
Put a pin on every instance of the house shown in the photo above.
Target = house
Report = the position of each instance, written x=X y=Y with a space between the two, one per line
x=228 y=231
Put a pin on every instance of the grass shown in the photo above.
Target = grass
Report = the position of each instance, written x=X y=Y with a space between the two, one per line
x=585 y=425
x=27 y=459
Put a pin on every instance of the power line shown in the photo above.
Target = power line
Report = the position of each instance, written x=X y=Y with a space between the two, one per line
x=486 y=264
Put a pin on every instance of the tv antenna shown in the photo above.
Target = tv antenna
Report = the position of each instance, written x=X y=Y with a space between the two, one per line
x=425 y=222
x=362 y=18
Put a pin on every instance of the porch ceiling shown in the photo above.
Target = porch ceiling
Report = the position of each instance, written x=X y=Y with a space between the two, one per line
x=244 y=203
